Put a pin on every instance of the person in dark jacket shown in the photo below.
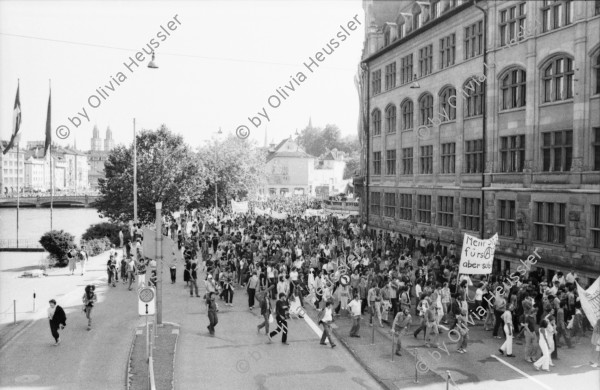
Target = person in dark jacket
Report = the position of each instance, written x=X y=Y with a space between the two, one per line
x=57 y=318
x=282 y=309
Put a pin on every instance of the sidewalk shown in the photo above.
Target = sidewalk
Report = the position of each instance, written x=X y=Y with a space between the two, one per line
x=481 y=364
x=95 y=359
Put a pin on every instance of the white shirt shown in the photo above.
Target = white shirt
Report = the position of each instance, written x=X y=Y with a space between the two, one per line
x=327 y=317
x=354 y=306
x=294 y=276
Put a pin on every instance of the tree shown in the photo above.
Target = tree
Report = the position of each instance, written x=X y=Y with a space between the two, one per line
x=58 y=243
x=352 y=164
x=317 y=141
x=235 y=165
x=167 y=172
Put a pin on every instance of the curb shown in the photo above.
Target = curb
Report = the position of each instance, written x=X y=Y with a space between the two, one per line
x=128 y=368
x=360 y=361
x=175 y=354
x=20 y=327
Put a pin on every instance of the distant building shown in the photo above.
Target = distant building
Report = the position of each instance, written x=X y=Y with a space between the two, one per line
x=290 y=170
x=98 y=156
x=8 y=170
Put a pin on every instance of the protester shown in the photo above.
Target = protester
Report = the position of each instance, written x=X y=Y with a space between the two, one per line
x=325 y=318
x=89 y=300
x=57 y=319
x=282 y=309
x=212 y=310
x=544 y=361
x=402 y=321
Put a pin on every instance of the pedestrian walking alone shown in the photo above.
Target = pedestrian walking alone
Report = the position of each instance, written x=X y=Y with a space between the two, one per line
x=58 y=320
x=282 y=309
x=72 y=256
x=89 y=300
x=213 y=320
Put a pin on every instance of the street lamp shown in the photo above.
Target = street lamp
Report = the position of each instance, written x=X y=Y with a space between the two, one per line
x=151 y=65
x=216 y=160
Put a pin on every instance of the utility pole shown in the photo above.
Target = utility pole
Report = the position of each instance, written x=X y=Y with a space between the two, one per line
x=159 y=262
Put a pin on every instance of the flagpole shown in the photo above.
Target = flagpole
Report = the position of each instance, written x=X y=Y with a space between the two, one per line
x=51 y=171
x=18 y=194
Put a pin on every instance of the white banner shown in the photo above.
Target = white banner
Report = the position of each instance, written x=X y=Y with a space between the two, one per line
x=277 y=215
x=239 y=207
x=477 y=255
x=590 y=301
x=259 y=211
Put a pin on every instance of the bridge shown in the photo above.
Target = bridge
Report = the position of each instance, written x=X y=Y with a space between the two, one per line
x=45 y=201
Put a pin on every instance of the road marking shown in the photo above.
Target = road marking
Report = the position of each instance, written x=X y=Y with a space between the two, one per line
x=522 y=373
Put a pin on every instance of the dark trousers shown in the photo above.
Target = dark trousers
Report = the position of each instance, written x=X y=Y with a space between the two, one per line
x=281 y=325
x=265 y=323
x=395 y=307
x=111 y=277
x=54 y=330
x=173 y=274
x=562 y=332
x=272 y=282
x=229 y=295
x=355 y=326
x=554 y=354
x=421 y=327
x=326 y=334
x=251 y=293
x=213 y=321
x=499 y=322
x=193 y=287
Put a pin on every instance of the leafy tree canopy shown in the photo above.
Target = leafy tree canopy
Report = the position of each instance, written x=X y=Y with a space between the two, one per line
x=167 y=171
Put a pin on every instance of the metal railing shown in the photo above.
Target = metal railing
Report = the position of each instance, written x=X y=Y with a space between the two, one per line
x=22 y=244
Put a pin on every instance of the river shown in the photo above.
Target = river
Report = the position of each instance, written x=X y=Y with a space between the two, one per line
x=34 y=222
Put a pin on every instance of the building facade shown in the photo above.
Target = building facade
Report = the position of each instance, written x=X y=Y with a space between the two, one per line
x=11 y=165
x=290 y=170
x=482 y=118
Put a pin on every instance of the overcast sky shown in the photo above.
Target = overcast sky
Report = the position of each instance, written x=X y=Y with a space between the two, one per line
x=220 y=66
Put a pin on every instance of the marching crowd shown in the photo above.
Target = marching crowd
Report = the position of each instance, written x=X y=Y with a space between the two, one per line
x=410 y=284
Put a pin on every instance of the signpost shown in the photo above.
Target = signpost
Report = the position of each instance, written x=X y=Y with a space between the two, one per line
x=146 y=307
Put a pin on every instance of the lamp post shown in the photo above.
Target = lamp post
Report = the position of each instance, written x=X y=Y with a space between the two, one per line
x=216 y=161
x=151 y=65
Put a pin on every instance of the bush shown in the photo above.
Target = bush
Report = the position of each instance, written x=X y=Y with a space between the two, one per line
x=96 y=246
x=106 y=229
x=58 y=243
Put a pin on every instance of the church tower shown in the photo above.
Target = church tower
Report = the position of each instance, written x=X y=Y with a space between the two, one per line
x=96 y=140
x=109 y=143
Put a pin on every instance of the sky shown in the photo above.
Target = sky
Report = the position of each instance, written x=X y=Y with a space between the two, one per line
x=220 y=65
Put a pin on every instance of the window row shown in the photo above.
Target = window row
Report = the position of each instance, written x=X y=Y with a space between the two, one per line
x=549 y=218
x=557 y=85
x=556 y=155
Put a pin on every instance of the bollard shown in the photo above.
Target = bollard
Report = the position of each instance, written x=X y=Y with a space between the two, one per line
x=393 y=343
x=447 y=380
x=14 y=311
x=416 y=366
x=34 y=301
x=373 y=334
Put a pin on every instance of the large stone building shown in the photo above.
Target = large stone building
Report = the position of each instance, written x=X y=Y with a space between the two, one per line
x=481 y=118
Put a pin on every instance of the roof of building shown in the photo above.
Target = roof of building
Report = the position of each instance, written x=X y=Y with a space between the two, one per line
x=288 y=148
x=333 y=154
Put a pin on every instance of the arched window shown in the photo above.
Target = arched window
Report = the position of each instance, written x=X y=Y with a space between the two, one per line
x=596 y=72
x=513 y=89
x=376 y=119
x=390 y=119
x=425 y=109
x=448 y=104
x=557 y=79
x=416 y=18
x=407 y=114
x=474 y=94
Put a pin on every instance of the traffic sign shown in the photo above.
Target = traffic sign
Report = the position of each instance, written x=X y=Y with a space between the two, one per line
x=345 y=280
x=147 y=301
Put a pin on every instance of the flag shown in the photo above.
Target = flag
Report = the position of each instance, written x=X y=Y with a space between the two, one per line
x=48 y=131
x=16 y=122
